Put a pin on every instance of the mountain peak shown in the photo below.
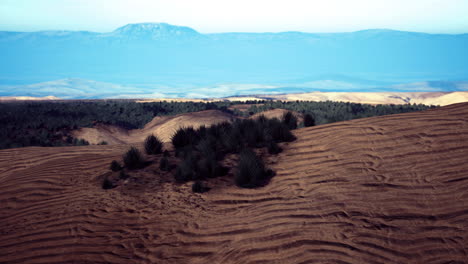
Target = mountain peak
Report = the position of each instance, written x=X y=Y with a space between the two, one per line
x=384 y=31
x=154 y=30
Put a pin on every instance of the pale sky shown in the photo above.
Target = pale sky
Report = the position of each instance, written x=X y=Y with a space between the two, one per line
x=208 y=16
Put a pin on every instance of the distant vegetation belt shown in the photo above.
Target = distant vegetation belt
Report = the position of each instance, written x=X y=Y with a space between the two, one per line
x=49 y=123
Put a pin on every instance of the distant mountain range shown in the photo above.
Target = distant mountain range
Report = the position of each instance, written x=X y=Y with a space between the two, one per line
x=158 y=58
x=86 y=89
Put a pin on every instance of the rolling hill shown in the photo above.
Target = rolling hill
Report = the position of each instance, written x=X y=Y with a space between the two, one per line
x=163 y=126
x=388 y=189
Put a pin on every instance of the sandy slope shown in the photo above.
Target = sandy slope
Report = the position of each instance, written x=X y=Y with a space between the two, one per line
x=164 y=127
x=433 y=98
x=428 y=98
x=278 y=113
x=389 y=189
x=28 y=98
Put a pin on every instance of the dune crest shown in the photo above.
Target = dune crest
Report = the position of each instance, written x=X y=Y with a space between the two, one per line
x=278 y=113
x=165 y=126
x=162 y=126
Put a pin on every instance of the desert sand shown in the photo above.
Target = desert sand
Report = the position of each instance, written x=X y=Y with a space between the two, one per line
x=427 y=98
x=27 y=98
x=389 y=189
x=162 y=126
x=278 y=113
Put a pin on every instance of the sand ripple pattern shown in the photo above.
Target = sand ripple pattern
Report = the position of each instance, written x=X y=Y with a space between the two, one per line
x=390 y=189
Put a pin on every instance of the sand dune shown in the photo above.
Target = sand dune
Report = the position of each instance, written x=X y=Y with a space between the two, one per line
x=278 y=113
x=28 y=98
x=427 y=98
x=164 y=127
x=242 y=107
x=390 y=189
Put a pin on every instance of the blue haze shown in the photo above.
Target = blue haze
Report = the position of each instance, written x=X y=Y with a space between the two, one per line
x=158 y=59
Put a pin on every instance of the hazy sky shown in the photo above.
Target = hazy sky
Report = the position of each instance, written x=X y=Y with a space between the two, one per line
x=206 y=16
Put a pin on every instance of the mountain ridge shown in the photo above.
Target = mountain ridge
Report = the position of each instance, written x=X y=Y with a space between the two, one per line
x=164 y=25
x=160 y=54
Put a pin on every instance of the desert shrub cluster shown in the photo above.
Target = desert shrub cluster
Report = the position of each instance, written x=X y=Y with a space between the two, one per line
x=251 y=171
x=202 y=150
x=309 y=120
x=199 y=187
x=164 y=164
x=107 y=184
x=115 y=166
x=220 y=139
x=133 y=159
x=290 y=120
x=80 y=142
x=153 y=145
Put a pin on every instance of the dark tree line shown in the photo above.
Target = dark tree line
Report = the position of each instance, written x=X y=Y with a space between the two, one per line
x=49 y=123
x=329 y=112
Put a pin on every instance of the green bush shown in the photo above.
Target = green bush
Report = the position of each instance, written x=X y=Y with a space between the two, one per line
x=206 y=146
x=309 y=120
x=123 y=175
x=164 y=164
x=253 y=133
x=198 y=187
x=273 y=148
x=279 y=131
x=290 y=120
x=107 y=184
x=232 y=141
x=80 y=142
x=115 y=166
x=208 y=167
x=251 y=171
x=184 y=137
x=186 y=170
x=133 y=159
x=153 y=145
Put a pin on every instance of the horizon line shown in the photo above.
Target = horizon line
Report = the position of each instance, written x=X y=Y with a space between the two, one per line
x=236 y=32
